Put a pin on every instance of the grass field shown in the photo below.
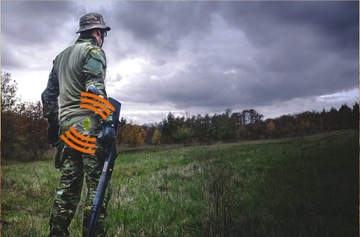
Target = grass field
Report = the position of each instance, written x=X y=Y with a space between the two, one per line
x=297 y=187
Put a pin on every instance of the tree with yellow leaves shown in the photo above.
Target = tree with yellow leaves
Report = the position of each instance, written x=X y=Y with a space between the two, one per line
x=133 y=135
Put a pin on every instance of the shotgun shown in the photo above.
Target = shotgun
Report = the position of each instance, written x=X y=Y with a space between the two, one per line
x=111 y=155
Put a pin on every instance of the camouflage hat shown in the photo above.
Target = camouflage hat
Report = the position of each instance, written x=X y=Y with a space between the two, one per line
x=92 y=21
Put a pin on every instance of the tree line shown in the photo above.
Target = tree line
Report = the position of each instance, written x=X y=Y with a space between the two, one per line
x=238 y=126
x=24 y=130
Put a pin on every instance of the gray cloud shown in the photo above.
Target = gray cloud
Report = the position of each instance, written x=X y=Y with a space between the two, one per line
x=335 y=22
x=288 y=54
x=162 y=24
x=207 y=55
x=9 y=60
x=35 y=22
x=31 y=30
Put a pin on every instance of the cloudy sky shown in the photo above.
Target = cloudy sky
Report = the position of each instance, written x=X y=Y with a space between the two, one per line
x=197 y=57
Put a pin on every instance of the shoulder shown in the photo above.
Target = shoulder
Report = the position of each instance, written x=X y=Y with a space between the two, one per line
x=95 y=52
x=95 y=61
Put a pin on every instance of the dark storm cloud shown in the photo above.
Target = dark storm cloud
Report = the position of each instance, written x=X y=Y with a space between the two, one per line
x=335 y=21
x=30 y=31
x=163 y=24
x=303 y=49
x=298 y=49
x=206 y=54
x=32 y=23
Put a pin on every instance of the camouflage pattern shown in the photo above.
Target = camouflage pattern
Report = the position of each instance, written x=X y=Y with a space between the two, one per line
x=92 y=21
x=49 y=99
x=74 y=70
x=74 y=165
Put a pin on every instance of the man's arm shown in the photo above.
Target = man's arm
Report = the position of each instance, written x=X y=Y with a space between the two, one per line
x=49 y=99
x=94 y=70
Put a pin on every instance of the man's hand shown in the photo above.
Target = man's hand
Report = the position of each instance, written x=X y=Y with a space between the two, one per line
x=107 y=135
x=53 y=134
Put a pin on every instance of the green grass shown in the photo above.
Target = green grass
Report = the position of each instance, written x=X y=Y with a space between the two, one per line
x=298 y=187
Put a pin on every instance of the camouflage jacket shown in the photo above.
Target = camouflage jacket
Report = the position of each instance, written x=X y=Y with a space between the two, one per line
x=74 y=70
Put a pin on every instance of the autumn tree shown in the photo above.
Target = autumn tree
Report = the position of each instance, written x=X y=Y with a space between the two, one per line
x=23 y=127
x=133 y=135
x=156 y=138
x=270 y=128
x=285 y=125
x=242 y=133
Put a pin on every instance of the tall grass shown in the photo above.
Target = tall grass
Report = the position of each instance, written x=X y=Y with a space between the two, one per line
x=299 y=187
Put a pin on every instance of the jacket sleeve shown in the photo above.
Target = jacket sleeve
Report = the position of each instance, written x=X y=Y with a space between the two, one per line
x=94 y=70
x=49 y=99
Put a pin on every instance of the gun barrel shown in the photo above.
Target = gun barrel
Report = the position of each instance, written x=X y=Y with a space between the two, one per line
x=105 y=175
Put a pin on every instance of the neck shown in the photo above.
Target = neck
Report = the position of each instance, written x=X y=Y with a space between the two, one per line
x=89 y=37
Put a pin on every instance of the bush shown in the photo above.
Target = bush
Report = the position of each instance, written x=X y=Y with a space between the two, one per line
x=242 y=134
x=183 y=135
x=133 y=135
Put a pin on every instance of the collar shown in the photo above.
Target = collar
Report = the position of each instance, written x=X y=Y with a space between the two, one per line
x=91 y=40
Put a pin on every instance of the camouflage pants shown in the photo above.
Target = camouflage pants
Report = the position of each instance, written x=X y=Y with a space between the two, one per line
x=74 y=166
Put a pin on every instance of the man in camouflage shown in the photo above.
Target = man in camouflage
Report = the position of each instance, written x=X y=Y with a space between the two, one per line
x=79 y=68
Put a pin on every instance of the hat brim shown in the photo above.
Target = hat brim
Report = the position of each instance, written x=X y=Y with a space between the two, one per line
x=92 y=26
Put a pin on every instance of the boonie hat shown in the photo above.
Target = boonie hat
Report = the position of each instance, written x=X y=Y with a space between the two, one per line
x=92 y=21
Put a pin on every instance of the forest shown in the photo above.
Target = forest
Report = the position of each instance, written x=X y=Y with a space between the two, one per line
x=23 y=128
